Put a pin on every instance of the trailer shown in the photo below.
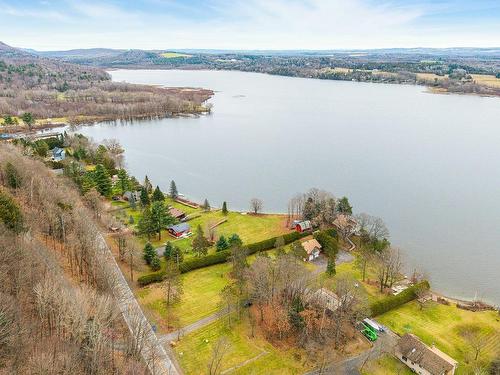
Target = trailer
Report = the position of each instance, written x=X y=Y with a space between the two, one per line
x=369 y=332
x=377 y=327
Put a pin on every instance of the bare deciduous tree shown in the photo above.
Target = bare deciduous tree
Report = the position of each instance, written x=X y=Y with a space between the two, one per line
x=256 y=205
x=219 y=350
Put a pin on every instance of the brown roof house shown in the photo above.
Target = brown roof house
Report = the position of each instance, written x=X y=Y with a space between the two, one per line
x=423 y=359
x=312 y=248
x=176 y=213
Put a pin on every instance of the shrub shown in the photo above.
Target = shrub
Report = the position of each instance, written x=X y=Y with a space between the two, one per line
x=391 y=302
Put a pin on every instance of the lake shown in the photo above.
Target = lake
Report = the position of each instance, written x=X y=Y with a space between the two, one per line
x=428 y=164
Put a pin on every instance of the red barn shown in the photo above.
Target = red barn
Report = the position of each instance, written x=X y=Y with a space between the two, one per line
x=303 y=226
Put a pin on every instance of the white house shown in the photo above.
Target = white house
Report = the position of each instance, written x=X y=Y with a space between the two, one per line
x=423 y=359
x=312 y=248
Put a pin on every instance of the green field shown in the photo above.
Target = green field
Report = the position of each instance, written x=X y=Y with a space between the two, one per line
x=349 y=270
x=200 y=297
x=440 y=324
x=173 y=55
x=246 y=355
x=250 y=228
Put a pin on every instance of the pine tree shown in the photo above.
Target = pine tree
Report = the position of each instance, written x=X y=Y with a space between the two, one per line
x=330 y=267
x=123 y=181
x=206 y=205
x=13 y=177
x=222 y=244
x=144 y=197
x=173 y=190
x=235 y=240
x=167 y=253
x=344 y=206
x=224 y=208
x=102 y=180
x=160 y=217
x=145 y=225
x=158 y=195
x=155 y=263
x=200 y=243
x=132 y=202
x=10 y=214
x=149 y=253
x=147 y=185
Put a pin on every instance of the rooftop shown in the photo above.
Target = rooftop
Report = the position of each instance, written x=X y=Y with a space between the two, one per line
x=430 y=359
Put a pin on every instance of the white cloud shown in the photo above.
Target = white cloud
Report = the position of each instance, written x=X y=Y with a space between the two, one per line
x=251 y=24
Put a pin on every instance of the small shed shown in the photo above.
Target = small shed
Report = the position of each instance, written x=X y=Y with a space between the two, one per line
x=303 y=226
x=312 y=248
x=176 y=213
x=58 y=154
x=179 y=230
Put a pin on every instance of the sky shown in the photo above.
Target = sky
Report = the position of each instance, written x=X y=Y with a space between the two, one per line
x=249 y=24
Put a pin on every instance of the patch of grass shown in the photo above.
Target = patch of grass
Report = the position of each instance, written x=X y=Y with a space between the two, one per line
x=349 y=270
x=440 y=325
x=246 y=355
x=385 y=365
x=173 y=55
x=200 y=298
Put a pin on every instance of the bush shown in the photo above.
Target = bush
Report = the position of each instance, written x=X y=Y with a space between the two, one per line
x=391 y=302
x=150 y=278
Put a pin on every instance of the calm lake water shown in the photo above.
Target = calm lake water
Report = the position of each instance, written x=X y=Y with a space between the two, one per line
x=428 y=164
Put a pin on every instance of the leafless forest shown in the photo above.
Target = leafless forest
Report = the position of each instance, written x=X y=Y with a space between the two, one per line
x=57 y=311
x=48 y=88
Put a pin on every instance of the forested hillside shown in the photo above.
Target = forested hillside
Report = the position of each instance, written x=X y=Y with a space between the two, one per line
x=49 y=88
x=58 y=314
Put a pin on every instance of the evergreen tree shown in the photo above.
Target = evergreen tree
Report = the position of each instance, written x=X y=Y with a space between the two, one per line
x=10 y=214
x=87 y=182
x=145 y=224
x=158 y=195
x=144 y=197
x=132 y=202
x=12 y=175
x=344 y=206
x=160 y=217
x=131 y=220
x=167 y=253
x=173 y=190
x=206 y=205
x=222 y=244
x=149 y=253
x=235 y=240
x=123 y=181
x=28 y=119
x=147 y=185
x=177 y=255
x=224 y=208
x=200 y=243
x=330 y=267
x=102 y=180
x=155 y=263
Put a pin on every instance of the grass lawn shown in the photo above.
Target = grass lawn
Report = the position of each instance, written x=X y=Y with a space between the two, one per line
x=349 y=270
x=385 y=365
x=172 y=55
x=246 y=355
x=200 y=298
x=486 y=80
x=440 y=324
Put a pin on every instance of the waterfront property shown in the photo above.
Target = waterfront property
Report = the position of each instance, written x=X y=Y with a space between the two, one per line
x=312 y=247
x=179 y=230
x=423 y=359
x=176 y=213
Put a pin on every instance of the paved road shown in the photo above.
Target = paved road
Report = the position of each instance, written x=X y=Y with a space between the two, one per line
x=192 y=327
x=351 y=366
x=160 y=361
